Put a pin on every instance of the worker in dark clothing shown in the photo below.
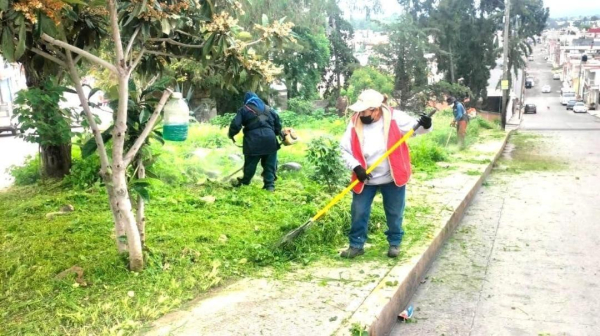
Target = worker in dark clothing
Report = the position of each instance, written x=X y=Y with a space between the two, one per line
x=261 y=126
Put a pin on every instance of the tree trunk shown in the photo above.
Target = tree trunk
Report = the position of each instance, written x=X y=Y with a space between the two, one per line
x=451 y=66
x=56 y=160
x=120 y=234
x=125 y=218
x=140 y=216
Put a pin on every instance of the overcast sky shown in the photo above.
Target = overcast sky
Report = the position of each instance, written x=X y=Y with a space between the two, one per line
x=562 y=8
x=558 y=8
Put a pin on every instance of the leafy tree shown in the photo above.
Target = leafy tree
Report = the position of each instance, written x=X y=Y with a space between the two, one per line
x=21 y=27
x=528 y=19
x=342 y=62
x=464 y=37
x=369 y=78
x=405 y=55
x=37 y=110
x=304 y=63
x=439 y=91
x=156 y=33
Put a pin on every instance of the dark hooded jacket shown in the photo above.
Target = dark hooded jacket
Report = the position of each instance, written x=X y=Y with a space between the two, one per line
x=260 y=124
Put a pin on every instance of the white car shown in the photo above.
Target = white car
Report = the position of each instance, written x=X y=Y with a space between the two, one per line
x=556 y=76
x=546 y=89
x=579 y=107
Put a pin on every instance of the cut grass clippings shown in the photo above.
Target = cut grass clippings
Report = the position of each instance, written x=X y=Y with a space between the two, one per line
x=192 y=245
x=528 y=154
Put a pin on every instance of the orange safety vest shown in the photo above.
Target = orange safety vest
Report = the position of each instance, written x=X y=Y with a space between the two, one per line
x=399 y=160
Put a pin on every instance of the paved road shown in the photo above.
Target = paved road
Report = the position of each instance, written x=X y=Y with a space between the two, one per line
x=13 y=151
x=551 y=114
x=524 y=259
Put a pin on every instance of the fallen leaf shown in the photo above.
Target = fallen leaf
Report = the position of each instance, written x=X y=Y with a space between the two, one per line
x=223 y=238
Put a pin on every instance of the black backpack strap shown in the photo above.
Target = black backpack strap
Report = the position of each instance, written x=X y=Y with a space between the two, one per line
x=260 y=116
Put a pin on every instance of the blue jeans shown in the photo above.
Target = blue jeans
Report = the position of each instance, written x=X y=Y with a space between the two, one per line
x=394 y=200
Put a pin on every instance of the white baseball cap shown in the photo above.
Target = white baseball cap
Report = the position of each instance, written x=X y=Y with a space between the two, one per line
x=366 y=100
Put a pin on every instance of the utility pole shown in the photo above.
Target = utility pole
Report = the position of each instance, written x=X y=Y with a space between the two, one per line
x=505 y=44
x=580 y=90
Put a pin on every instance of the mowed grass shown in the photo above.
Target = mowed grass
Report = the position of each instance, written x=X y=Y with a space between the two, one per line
x=192 y=245
x=529 y=154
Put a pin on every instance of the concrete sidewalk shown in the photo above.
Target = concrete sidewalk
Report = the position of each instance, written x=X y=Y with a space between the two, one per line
x=323 y=299
x=524 y=260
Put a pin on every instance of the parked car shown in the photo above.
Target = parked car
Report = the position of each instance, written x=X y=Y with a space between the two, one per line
x=571 y=103
x=530 y=108
x=530 y=58
x=529 y=83
x=580 y=107
x=6 y=122
x=546 y=89
x=556 y=76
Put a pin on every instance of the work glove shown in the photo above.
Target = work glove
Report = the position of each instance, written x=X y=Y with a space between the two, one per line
x=425 y=121
x=361 y=174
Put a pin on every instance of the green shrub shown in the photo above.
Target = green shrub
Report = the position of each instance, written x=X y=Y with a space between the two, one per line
x=425 y=153
x=483 y=123
x=84 y=172
x=222 y=120
x=212 y=140
x=28 y=173
x=300 y=106
x=323 y=154
x=292 y=119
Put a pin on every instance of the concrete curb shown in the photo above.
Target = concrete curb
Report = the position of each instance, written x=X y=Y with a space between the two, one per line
x=379 y=311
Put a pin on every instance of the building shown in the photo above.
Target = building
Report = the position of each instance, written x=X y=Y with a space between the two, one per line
x=493 y=102
x=591 y=83
x=12 y=80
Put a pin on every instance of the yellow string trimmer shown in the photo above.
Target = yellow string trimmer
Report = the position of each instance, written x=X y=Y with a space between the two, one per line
x=290 y=236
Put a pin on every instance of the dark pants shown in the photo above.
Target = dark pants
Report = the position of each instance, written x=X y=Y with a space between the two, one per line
x=394 y=200
x=269 y=164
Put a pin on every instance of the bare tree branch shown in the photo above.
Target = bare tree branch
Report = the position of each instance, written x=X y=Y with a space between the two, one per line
x=116 y=32
x=160 y=53
x=50 y=57
x=104 y=163
x=89 y=56
x=253 y=43
x=149 y=127
x=131 y=41
x=184 y=33
x=171 y=41
x=136 y=62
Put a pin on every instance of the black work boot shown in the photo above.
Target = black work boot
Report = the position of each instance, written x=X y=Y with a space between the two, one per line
x=237 y=183
x=352 y=252
x=393 y=251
